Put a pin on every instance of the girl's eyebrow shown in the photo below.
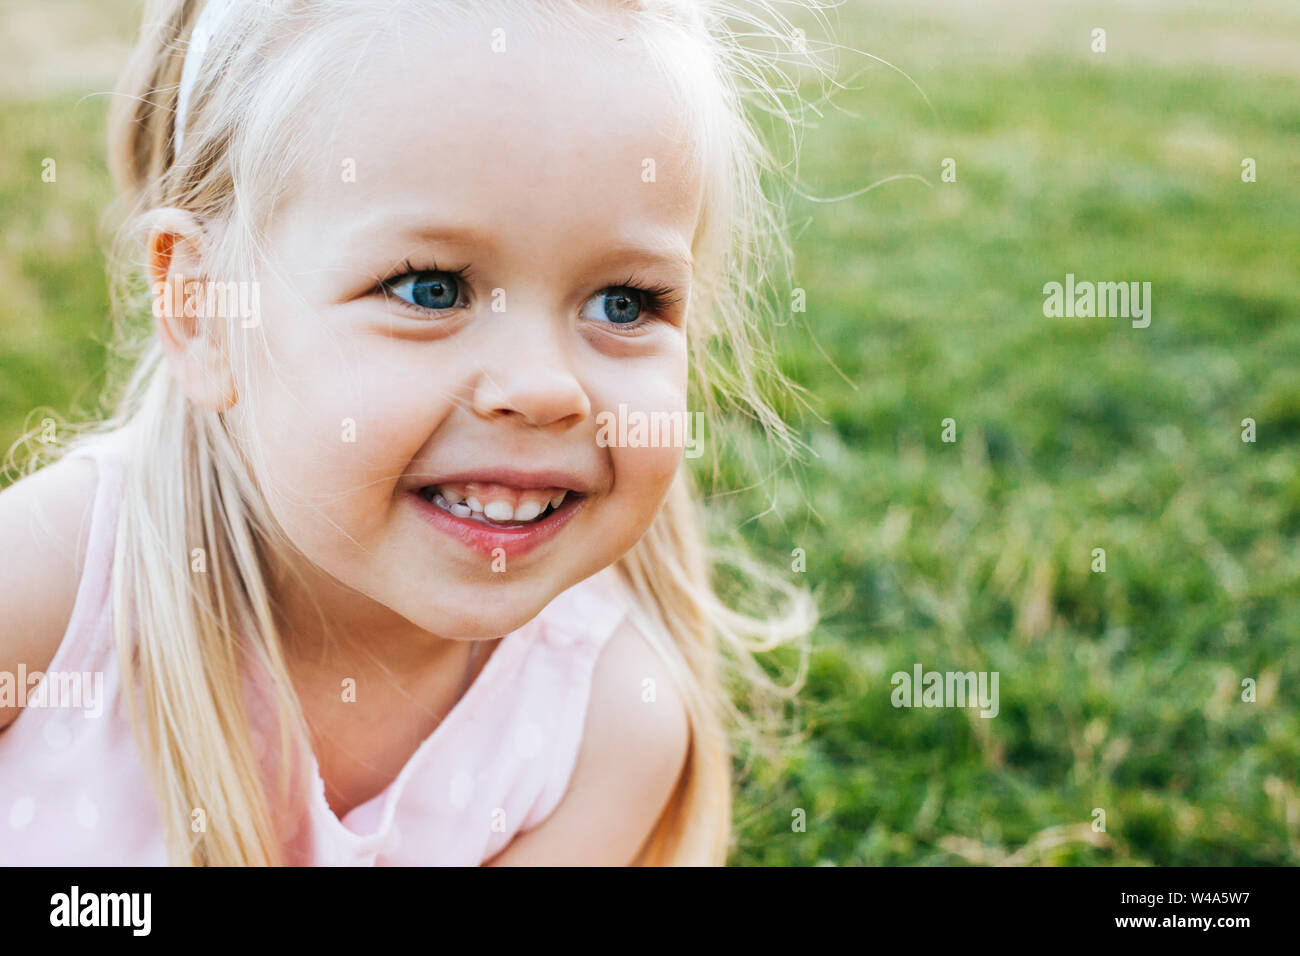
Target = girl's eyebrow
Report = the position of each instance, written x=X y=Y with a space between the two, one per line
x=380 y=230
x=381 y=227
x=670 y=254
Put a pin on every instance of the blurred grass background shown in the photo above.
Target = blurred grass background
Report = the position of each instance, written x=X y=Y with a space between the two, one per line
x=1118 y=690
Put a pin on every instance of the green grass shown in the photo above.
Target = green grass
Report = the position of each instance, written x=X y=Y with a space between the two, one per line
x=1118 y=690
x=54 y=315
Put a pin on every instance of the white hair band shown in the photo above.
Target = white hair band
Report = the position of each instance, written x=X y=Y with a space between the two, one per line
x=210 y=20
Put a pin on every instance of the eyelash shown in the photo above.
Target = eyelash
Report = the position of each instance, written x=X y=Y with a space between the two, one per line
x=656 y=299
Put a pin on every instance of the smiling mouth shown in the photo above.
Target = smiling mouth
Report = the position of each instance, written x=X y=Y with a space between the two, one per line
x=495 y=519
x=496 y=506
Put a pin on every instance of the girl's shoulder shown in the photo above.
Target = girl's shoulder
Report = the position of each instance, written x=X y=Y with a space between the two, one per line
x=46 y=524
x=620 y=752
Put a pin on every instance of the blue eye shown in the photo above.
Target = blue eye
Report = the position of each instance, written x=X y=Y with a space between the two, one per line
x=427 y=289
x=622 y=305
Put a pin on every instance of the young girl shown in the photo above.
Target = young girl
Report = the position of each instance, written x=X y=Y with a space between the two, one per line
x=377 y=561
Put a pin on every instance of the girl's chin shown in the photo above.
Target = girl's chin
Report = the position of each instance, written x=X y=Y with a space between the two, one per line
x=485 y=609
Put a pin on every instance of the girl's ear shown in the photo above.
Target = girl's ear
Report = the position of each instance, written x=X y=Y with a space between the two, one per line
x=190 y=337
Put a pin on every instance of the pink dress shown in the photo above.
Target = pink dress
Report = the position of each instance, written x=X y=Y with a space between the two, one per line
x=73 y=790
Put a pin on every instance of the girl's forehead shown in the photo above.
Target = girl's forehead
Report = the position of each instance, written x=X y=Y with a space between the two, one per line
x=551 y=135
x=542 y=97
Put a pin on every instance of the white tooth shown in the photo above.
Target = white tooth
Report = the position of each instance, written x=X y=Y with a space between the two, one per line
x=528 y=511
x=461 y=510
x=474 y=504
x=497 y=510
x=451 y=496
x=558 y=499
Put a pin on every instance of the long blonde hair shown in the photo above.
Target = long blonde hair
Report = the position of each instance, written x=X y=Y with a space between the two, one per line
x=189 y=485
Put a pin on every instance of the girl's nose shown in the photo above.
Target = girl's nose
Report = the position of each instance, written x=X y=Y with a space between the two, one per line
x=532 y=381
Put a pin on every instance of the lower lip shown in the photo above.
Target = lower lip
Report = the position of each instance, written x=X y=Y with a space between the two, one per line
x=513 y=541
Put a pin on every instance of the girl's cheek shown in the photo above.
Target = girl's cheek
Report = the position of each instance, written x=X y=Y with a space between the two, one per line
x=646 y=473
x=655 y=381
x=330 y=441
x=642 y=418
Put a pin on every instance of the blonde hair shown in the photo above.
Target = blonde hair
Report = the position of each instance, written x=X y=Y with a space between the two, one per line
x=190 y=485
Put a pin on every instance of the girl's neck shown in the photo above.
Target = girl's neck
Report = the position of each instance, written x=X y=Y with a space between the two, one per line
x=325 y=624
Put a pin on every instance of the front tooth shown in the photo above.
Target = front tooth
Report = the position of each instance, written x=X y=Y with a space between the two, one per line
x=451 y=496
x=527 y=511
x=461 y=510
x=558 y=499
x=497 y=510
x=474 y=504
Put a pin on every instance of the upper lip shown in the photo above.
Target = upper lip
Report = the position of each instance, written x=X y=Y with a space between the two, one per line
x=513 y=478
